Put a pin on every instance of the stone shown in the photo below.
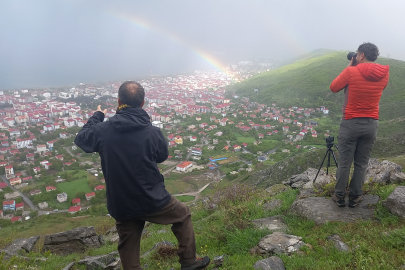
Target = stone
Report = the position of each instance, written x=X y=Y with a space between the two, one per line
x=384 y=172
x=157 y=245
x=112 y=238
x=322 y=210
x=270 y=206
x=274 y=223
x=278 y=243
x=305 y=179
x=395 y=203
x=109 y=261
x=339 y=244
x=69 y=266
x=161 y=231
x=219 y=260
x=272 y=263
x=73 y=241
x=276 y=189
x=305 y=193
x=26 y=245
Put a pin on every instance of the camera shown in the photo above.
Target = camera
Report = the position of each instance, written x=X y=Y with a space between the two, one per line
x=351 y=55
x=329 y=140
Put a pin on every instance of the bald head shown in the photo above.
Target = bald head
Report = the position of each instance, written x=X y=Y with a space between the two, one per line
x=132 y=94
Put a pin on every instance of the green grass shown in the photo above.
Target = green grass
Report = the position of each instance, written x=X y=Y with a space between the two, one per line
x=185 y=198
x=244 y=139
x=73 y=187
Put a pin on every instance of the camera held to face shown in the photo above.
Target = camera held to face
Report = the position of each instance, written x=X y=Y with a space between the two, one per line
x=351 y=55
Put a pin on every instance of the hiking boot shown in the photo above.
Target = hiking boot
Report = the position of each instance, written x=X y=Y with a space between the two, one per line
x=339 y=201
x=354 y=200
x=199 y=264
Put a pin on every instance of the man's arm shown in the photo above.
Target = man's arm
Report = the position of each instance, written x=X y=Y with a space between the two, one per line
x=87 y=138
x=163 y=151
x=341 y=81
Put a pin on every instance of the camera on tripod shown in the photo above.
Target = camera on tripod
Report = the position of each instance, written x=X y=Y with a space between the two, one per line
x=329 y=144
x=329 y=141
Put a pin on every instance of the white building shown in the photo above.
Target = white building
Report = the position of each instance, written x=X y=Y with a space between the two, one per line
x=62 y=197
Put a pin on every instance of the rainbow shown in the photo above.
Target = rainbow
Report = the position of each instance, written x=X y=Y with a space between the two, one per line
x=140 y=22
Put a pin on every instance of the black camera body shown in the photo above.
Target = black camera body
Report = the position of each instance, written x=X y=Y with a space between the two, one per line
x=351 y=55
x=329 y=141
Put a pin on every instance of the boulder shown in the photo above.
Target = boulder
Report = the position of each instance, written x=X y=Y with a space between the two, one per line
x=69 y=266
x=276 y=189
x=278 y=243
x=274 y=223
x=270 y=206
x=109 y=261
x=384 y=172
x=395 y=203
x=272 y=263
x=305 y=179
x=339 y=244
x=73 y=241
x=305 y=193
x=21 y=245
x=322 y=210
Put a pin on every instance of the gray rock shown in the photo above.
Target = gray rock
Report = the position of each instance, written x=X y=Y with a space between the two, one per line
x=274 y=223
x=219 y=260
x=275 y=189
x=384 y=172
x=161 y=231
x=73 y=241
x=278 y=243
x=106 y=261
x=272 y=263
x=322 y=210
x=157 y=245
x=25 y=245
x=69 y=266
x=305 y=193
x=112 y=238
x=395 y=203
x=270 y=206
x=305 y=179
x=339 y=244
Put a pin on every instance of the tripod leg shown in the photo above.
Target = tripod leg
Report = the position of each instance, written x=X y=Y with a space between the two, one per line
x=328 y=165
x=320 y=167
x=334 y=157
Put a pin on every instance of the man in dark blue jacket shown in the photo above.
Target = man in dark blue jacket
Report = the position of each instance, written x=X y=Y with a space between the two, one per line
x=130 y=148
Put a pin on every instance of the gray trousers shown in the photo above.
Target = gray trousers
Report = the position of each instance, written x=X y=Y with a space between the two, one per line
x=356 y=139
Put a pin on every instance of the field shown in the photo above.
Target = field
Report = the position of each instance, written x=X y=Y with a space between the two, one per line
x=177 y=183
x=244 y=139
x=71 y=188
x=185 y=198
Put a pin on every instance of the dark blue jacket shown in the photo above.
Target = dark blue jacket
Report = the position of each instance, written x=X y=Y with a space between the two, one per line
x=130 y=148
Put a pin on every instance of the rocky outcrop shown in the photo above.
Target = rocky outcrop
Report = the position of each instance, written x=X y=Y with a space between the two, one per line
x=272 y=205
x=276 y=189
x=395 y=202
x=278 y=243
x=272 y=263
x=21 y=246
x=305 y=179
x=109 y=261
x=157 y=245
x=274 y=223
x=73 y=241
x=322 y=210
x=384 y=172
x=339 y=244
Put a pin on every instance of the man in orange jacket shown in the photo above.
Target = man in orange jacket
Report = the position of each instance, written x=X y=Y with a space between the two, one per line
x=363 y=85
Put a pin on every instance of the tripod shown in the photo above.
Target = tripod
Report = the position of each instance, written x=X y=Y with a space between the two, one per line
x=328 y=152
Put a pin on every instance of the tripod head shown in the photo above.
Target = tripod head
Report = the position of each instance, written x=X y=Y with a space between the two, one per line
x=329 y=142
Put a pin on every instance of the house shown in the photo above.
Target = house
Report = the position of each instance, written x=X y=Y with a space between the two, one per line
x=9 y=205
x=41 y=148
x=236 y=147
x=90 y=195
x=36 y=169
x=261 y=136
x=74 y=209
x=178 y=139
x=27 y=178
x=76 y=201
x=196 y=151
x=30 y=156
x=9 y=170
x=47 y=165
x=99 y=187
x=14 y=219
x=193 y=138
x=64 y=135
x=15 y=181
x=43 y=205
x=62 y=197
x=2 y=185
x=60 y=157
x=184 y=166
x=50 y=188
x=35 y=192
x=19 y=206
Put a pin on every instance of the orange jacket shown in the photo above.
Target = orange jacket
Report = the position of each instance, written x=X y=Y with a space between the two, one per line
x=363 y=86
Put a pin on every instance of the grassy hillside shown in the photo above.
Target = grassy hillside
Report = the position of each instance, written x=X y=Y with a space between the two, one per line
x=306 y=83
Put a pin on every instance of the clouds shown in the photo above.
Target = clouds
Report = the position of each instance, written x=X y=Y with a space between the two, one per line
x=66 y=42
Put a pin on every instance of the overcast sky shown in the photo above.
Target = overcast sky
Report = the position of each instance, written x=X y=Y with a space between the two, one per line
x=53 y=43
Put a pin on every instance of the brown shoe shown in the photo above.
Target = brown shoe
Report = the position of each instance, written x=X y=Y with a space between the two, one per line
x=199 y=264
x=354 y=200
x=339 y=201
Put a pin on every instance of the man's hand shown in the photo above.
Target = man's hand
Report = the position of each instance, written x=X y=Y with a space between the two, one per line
x=99 y=109
x=351 y=63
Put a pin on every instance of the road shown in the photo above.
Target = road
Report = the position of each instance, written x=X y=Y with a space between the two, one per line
x=196 y=194
x=68 y=150
x=25 y=198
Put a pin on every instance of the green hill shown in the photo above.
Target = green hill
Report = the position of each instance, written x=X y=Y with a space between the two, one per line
x=306 y=82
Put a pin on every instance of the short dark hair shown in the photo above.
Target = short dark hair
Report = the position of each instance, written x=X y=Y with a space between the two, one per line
x=131 y=93
x=370 y=51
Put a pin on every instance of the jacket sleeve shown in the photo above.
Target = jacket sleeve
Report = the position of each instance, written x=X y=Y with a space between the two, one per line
x=340 y=81
x=88 y=139
x=163 y=151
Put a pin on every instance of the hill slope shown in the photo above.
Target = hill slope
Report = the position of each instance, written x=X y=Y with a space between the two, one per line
x=306 y=83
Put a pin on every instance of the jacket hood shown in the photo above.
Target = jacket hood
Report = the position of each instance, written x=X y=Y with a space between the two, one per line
x=372 y=71
x=130 y=119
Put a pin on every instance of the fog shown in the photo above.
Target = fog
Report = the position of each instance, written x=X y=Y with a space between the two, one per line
x=55 y=43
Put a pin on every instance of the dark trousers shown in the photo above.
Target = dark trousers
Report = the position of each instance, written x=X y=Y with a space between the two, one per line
x=130 y=232
x=356 y=139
